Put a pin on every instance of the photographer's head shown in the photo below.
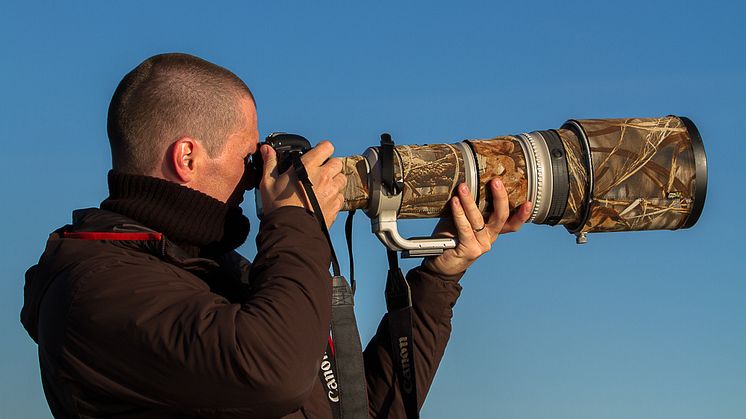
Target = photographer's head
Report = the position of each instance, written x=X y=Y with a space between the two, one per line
x=186 y=120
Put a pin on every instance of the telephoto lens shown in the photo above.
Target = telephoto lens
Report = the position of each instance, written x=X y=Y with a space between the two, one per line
x=590 y=175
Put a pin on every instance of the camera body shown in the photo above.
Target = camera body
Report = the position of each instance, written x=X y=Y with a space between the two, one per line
x=285 y=146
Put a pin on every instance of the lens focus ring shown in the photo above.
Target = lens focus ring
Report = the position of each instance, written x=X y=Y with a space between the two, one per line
x=539 y=178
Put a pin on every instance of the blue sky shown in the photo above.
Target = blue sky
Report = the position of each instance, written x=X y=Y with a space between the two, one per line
x=632 y=325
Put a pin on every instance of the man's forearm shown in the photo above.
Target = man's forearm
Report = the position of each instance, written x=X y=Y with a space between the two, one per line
x=291 y=291
x=433 y=297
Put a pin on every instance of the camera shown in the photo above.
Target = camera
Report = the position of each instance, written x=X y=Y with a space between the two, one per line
x=285 y=146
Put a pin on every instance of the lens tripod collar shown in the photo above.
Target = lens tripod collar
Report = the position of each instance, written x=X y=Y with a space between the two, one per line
x=386 y=188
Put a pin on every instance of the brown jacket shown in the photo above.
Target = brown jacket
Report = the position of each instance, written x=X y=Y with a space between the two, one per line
x=128 y=327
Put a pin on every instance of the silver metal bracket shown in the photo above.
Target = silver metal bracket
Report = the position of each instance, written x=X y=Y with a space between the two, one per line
x=416 y=247
x=383 y=211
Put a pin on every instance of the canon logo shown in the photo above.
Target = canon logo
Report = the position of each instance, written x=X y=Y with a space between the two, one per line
x=331 y=382
x=404 y=359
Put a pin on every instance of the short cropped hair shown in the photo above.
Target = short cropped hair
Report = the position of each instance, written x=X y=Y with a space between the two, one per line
x=168 y=97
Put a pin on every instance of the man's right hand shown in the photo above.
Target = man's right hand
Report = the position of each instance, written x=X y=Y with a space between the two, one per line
x=284 y=189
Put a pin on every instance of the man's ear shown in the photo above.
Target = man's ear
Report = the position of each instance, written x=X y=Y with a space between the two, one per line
x=183 y=155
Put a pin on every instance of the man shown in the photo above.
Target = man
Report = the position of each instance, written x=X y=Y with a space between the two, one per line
x=142 y=308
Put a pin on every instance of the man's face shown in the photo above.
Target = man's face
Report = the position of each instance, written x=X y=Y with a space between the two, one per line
x=225 y=171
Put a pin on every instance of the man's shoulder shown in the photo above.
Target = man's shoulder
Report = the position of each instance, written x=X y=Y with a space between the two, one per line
x=102 y=237
x=105 y=249
x=99 y=254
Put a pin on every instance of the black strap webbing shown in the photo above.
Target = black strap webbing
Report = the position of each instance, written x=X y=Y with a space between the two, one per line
x=399 y=305
x=347 y=352
x=302 y=174
x=399 y=298
x=328 y=378
x=348 y=237
x=390 y=185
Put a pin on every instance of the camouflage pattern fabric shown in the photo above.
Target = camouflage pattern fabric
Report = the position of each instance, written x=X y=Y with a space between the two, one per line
x=644 y=174
x=356 y=190
x=431 y=173
x=578 y=176
x=501 y=157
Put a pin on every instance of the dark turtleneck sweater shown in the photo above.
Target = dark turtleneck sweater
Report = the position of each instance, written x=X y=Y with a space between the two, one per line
x=198 y=223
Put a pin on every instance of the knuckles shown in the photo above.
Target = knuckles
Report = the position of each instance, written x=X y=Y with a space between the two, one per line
x=324 y=177
x=334 y=164
x=330 y=170
x=342 y=181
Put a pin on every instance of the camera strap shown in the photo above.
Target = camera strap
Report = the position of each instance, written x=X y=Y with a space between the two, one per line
x=346 y=390
x=399 y=298
x=399 y=306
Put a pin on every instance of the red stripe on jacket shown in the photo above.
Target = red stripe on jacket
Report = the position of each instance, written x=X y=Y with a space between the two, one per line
x=94 y=235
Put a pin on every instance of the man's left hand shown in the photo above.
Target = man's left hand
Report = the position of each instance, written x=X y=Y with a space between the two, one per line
x=474 y=235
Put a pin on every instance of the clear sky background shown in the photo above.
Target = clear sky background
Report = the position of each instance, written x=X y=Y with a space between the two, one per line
x=631 y=325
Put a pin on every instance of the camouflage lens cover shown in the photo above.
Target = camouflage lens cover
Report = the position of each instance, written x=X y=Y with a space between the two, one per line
x=644 y=174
